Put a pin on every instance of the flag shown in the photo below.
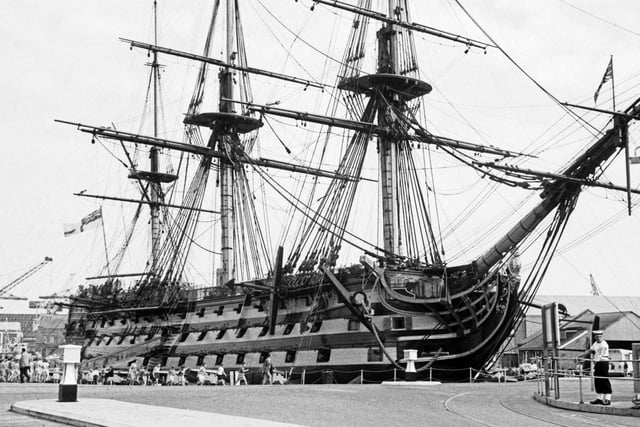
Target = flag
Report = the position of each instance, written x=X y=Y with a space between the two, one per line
x=608 y=75
x=594 y=288
x=86 y=222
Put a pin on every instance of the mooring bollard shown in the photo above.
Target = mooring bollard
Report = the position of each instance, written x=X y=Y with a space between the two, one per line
x=410 y=373
x=68 y=387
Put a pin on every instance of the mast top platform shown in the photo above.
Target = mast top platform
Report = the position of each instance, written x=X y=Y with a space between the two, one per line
x=240 y=123
x=406 y=87
x=157 y=177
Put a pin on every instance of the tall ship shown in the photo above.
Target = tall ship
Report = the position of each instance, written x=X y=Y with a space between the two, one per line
x=329 y=257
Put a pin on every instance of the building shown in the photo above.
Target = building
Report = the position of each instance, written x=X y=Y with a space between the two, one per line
x=50 y=334
x=619 y=317
x=10 y=336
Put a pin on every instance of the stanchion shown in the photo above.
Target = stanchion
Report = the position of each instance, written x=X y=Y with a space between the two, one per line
x=470 y=375
x=304 y=374
x=361 y=376
x=580 y=381
x=394 y=375
x=556 y=381
x=430 y=374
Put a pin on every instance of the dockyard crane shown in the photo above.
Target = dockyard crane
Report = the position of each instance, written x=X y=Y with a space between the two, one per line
x=6 y=288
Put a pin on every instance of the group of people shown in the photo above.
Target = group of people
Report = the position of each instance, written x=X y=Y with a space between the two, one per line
x=174 y=376
x=27 y=369
x=178 y=375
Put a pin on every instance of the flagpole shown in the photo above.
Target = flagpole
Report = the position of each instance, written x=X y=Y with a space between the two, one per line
x=613 y=85
x=625 y=139
x=104 y=238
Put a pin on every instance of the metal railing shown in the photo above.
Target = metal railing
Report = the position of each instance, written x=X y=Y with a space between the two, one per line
x=549 y=381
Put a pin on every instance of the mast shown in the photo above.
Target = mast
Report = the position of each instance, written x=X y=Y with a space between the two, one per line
x=226 y=171
x=387 y=149
x=153 y=152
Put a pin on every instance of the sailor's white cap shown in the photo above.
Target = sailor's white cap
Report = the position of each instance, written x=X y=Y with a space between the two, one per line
x=598 y=332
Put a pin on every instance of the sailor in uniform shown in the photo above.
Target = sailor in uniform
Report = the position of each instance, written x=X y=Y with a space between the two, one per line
x=600 y=351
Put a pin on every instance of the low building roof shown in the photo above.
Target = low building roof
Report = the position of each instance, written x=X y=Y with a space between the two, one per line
x=10 y=326
x=617 y=326
x=576 y=304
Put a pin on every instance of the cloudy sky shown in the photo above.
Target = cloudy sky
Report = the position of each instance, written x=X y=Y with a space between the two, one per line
x=62 y=60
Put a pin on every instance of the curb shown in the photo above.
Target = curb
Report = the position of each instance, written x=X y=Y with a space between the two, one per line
x=52 y=417
x=587 y=407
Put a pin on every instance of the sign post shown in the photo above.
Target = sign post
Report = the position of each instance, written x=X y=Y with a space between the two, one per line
x=635 y=356
x=550 y=343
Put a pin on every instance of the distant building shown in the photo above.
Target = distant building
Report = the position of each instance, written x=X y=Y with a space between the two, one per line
x=10 y=336
x=50 y=333
x=619 y=317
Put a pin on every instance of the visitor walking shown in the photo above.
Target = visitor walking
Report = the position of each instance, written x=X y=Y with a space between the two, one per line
x=25 y=363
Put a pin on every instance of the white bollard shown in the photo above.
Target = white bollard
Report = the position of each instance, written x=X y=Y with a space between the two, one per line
x=410 y=356
x=68 y=387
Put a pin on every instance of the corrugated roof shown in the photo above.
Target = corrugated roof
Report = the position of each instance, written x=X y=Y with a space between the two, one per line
x=578 y=325
x=576 y=304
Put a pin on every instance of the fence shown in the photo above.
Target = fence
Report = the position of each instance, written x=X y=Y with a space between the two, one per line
x=573 y=384
x=364 y=376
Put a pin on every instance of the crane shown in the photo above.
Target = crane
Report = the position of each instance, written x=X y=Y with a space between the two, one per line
x=6 y=288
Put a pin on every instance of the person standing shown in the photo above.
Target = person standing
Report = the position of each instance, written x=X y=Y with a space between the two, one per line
x=221 y=374
x=25 y=365
x=156 y=375
x=242 y=374
x=144 y=375
x=180 y=376
x=600 y=356
x=267 y=370
x=133 y=373
x=202 y=374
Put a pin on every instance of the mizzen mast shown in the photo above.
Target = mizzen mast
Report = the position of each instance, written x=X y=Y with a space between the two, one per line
x=154 y=177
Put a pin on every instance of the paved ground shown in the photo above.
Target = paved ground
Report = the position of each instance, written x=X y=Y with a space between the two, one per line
x=354 y=405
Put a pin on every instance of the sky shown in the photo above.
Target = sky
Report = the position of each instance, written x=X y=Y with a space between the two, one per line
x=63 y=60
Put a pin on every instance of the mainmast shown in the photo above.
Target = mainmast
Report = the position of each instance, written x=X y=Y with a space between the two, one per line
x=153 y=152
x=226 y=171
x=388 y=64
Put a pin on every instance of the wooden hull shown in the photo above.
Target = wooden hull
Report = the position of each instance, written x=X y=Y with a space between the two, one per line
x=317 y=335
